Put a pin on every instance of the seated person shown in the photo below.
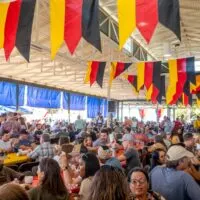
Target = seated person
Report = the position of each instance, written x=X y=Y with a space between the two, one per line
x=38 y=132
x=23 y=142
x=7 y=174
x=103 y=139
x=5 y=142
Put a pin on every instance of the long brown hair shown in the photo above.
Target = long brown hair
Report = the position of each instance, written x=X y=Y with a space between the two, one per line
x=109 y=183
x=12 y=191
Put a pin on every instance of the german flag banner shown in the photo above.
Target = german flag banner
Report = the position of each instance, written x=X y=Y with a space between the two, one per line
x=194 y=89
x=162 y=92
x=146 y=23
x=169 y=15
x=95 y=72
x=132 y=79
x=140 y=75
x=117 y=68
x=16 y=26
x=70 y=20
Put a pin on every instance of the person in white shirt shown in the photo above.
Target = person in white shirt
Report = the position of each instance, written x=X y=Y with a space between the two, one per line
x=5 y=142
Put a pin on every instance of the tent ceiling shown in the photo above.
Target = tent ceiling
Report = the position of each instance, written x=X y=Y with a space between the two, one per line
x=67 y=72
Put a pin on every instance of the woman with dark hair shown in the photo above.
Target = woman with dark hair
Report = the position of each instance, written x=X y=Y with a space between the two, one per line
x=175 y=138
x=12 y=191
x=158 y=158
x=109 y=183
x=89 y=165
x=51 y=185
x=139 y=185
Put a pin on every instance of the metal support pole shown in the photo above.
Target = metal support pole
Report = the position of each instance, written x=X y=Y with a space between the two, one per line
x=118 y=110
x=122 y=104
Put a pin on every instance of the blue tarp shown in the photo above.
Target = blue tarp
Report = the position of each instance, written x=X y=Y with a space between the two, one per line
x=77 y=102
x=43 y=98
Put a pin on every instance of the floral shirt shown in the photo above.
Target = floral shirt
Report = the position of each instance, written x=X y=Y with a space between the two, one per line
x=150 y=196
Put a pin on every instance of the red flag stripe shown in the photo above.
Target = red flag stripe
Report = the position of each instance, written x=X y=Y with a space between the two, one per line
x=131 y=79
x=73 y=23
x=148 y=74
x=147 y=17
x=11 y=27
x=94 y=70
x=119 y=69
x=182 y=77
x=155 y=94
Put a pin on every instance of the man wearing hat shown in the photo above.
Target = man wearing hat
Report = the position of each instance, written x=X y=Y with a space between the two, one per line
x=171 y=181
x=130 y=155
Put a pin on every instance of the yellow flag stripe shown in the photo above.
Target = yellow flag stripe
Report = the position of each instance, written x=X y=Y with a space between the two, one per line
x=127 y=19
x=140 y=77
x=3 y=16
x=149 y=92
x=112 y=72
x=173 y=78
x=87 y=76
x=57 y=22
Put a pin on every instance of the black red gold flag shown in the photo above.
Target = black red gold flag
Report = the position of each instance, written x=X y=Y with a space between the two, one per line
x=90 y=23
x=24 y=31
x=132 y=79
x=147 y=17
x=169 y=15
x=187 y=96
x=156 y=81
x=11 y=25
x=162 y=92
x=95 y=72
x=194 y=89
x=148 y=78
x=120 y=68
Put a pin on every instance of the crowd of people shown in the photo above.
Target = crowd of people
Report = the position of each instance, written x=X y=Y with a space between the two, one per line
x=101 y=160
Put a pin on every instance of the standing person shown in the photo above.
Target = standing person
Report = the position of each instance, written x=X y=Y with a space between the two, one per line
x=79 y=124
x=130 y=155
x=103 y=139
x=196 y=124
x=45 y=149
x=38 y=132
x=51 y=185
x=99 y=120
x=171 y=181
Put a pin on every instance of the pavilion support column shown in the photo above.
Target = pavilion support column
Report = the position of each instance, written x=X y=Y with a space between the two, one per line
x=174 y=113
x=69 y=102
x=122 y=105
x=17 y=97
x=168 y=112
x=118 y=110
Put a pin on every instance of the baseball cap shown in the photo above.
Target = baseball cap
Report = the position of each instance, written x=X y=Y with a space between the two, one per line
x=127 y=137
x=104 y=152
x=177 y=152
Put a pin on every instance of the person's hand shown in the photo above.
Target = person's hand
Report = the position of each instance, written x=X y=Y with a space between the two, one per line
x=63 y=161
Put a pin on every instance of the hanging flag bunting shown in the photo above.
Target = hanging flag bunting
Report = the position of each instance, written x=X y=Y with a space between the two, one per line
x=57 y=25
x=198 y=99
x=156 y=82
x=173 y=79
x=90 y=23
x=3 y=13
x=132 y=79
x=148 y=78
x=95 y=72
x=162 y=92
x=127 y=19
x=117 y=68
x=11 y=26
x=24 y=31
x=140 y=75
x=147 y=17
x=169 y=15
x=187 y=96
x=142 y=113
x=182 y=78
x=73 y=23
x=194 y=89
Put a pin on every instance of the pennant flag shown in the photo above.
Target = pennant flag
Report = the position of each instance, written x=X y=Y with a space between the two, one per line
x=140 y=77
x=73 y=23
x=146 y=17
x=90 y=23
x=95 y=72
x=169 y=15
x=132 y=79
x=156 y=81
x=182 y=78
x=148 y=78
x=3 y=12
x=194 y=89
x=198 y=99
x=173 y=79
x=57 y=25
x=187 y=96
x=11 y=27
x=117 y=68
x=24 y=31
x=127 y=19
x=162 y=92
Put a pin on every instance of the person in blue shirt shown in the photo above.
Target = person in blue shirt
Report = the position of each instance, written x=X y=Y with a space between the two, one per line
x=171 y=181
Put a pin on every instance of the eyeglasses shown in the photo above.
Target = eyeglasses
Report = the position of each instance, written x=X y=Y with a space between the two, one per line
x=139 y=182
